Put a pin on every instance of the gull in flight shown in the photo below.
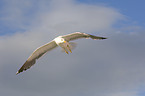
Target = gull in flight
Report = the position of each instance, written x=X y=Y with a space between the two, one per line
x=62 y=41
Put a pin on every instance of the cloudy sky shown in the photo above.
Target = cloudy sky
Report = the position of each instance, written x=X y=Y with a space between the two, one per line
x=112 y=67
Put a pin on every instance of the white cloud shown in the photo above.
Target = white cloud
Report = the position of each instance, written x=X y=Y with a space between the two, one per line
x=69 y=17
x=113 y=66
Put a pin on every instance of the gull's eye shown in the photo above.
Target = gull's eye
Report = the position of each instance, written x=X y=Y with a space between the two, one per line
x=61 y=39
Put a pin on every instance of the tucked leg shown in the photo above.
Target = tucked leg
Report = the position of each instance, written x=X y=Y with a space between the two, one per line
x=69 y=48
x=65 y=51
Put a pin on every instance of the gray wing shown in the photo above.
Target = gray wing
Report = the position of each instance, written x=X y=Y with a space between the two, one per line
x=78 y=35
x=37 y=54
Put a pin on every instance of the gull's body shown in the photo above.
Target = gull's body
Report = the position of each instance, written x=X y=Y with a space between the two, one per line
x=62 y=41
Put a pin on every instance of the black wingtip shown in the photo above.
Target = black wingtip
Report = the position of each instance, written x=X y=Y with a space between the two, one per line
x=96 y=37
x=17 y=73
x=26 y=66
x=103 y=38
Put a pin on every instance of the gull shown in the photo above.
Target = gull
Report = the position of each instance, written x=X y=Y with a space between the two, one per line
x=62 y=41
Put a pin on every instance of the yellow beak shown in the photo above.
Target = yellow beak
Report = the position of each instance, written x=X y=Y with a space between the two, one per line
x=64 y=41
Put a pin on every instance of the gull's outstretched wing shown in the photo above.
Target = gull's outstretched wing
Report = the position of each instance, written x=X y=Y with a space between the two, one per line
x=37 y=54
x=78 y=35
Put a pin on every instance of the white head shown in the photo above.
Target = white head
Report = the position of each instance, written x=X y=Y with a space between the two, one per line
x=59 y=40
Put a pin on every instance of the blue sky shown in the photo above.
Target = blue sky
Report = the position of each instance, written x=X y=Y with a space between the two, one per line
x=112 y=67
x=133 y=10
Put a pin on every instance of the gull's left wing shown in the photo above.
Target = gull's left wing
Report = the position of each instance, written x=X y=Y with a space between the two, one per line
x=78 y=35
